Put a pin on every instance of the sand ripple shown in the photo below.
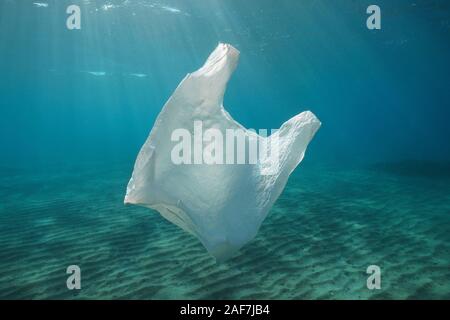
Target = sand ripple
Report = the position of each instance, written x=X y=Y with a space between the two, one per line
x=317 y=242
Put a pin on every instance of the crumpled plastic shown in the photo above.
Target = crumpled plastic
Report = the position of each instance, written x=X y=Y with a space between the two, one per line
x=223 y=205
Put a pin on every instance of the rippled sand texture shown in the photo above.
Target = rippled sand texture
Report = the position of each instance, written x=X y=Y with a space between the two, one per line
x=323 y=232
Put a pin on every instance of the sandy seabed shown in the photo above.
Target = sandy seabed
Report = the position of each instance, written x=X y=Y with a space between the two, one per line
x=326 y=228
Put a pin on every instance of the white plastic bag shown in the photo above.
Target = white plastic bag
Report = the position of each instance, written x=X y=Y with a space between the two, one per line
x=223 y=205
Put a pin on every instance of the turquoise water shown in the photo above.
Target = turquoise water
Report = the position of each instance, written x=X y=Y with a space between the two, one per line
x=374 y=187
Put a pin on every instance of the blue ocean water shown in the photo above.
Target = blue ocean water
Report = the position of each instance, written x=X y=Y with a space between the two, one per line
x=374 y=188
